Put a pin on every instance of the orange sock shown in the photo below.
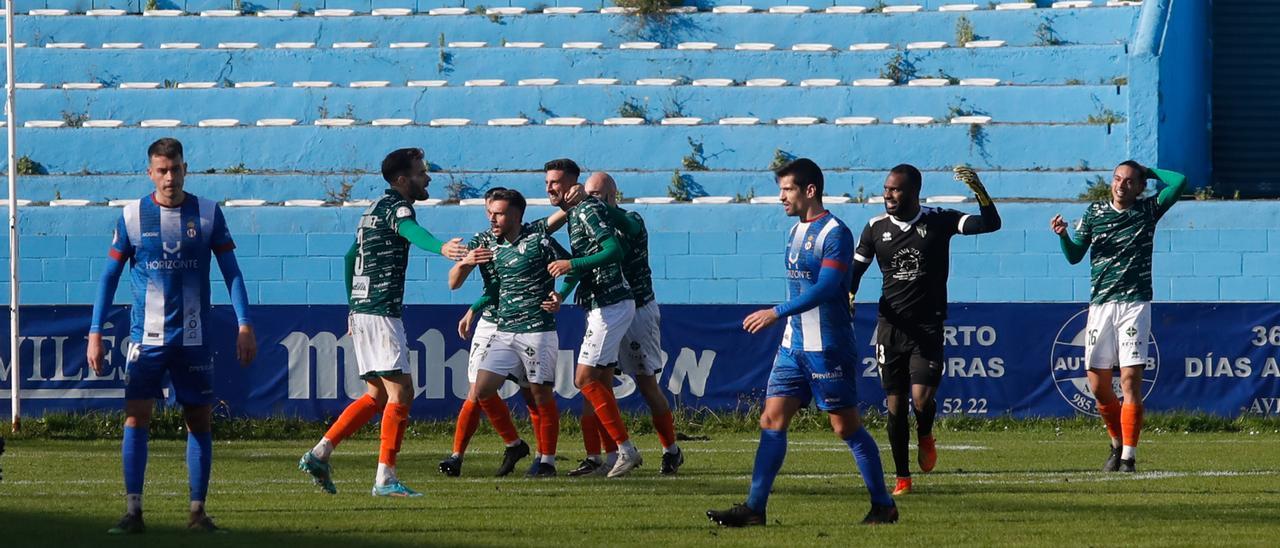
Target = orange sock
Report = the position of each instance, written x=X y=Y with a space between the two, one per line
x=606 y=406
x=468 y=420
x=610 y=446
x=534 y=421
x=548 y=428
x=500 y=418
x=1131 y=420
x=394 y=420
x=358 y=414
x=590 y=431
x=665 y=425
x=1111 y=416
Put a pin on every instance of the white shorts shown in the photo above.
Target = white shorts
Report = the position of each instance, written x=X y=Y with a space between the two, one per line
x=379 y=345
x=1117 y=333
x=523 y=357
x=479 y=341
x=641 y=350
x=605 y=328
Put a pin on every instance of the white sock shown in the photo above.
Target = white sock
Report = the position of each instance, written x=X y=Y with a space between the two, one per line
x=386 y=474
x=1128 y=452
x=197 y=507
x=133 y=504
x=514 y=443
x=323 y=449
x=549 y=459
x=673 y=449
x=627 y=446
x=457 y=456
x=595 y=458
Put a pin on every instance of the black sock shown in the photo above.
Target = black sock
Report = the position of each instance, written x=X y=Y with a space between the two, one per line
x=924 y=419
x=899 y=438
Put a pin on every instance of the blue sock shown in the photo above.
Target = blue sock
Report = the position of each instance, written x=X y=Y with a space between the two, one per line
x=867 y=455
x=199 y=463
x=769 y=456
x=133 y=454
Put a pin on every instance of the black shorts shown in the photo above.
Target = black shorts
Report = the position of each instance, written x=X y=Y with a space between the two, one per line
x=908 y=355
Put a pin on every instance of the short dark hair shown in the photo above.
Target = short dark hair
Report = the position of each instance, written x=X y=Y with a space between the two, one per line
x=400 y=162
x=1142 y=171
x=166 y=147
x=511 y=196
x=566 y=165
x=911 y=173
x=488 y=194
x=804 y=171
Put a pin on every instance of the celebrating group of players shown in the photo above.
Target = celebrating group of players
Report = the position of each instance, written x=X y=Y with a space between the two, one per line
x=168 y=238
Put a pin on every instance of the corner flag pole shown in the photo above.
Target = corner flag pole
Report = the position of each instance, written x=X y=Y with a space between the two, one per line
x=14 y=376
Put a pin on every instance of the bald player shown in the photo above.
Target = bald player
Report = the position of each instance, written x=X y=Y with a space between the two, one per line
x=640 y=352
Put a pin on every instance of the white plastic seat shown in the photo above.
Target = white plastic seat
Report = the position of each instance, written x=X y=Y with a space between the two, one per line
x=122 y=45
x=562 y=10
x=685 y=10
x=913 y=120
x=796 y=121
x=428 y=202
x=616 y=10
x=657 y=82
x=624 y=121
x=197 y=85
x=369 y=84
x=352 y=45
x=971 y=120
x=681 y=121
x=927 y=45
x=468 y=44
x=875 y=199
x=48 y=124
x=789 y=10
x=729 y=10
x=655 y=200
x=139 y=85
x=276 y=122
x=391 y=12
x=218 y=122
x=509 y=122
x=819 y=82
x=18 y=45
x=69 y=202
x=565 y=121
x=304 y=203
x=713 y=82
x=765 y=200
x=538 y=82
x=739 y=121
x=958 y=7
x=484 y=83
x=523 y=45
x=712 y=200
x=391 y=122
x=538 y=201
x=160 y=123
x=754 y=46
x=598 y=82
x=873 y=82
x=984 y=44
x=334 y=13
x=472 y=202
x=278 y=13
x=105 y=13
x=979 y=81
x=119 y=203
x=901 y=9
x=582 y=45
x=1073 y=4
x=427 y=83
x=766 y=82
x=65 y=45
x=836 y=199
x=449 y=122
x=409 y=45
x=928 y=82
x=335 y=122
x=237 y=45
x=220 y=13
x=696 y=46
x=1122 y=3
x=250 y=202
x=312 y=84
x=1015 y=6
x=180 y=45
x=259 y=84
x=295 y=45
x=162 y=13
x=845 y=10
x=506 y=11
x=870 y=46
x=639 y=45
x=28 y=85
x=448 y=11
x=856 y=120
x=82 y=85
x=357 y=203
x=945 y=199
x=812 y=47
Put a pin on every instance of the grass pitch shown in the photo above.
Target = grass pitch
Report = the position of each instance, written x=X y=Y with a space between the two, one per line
x=990 y=488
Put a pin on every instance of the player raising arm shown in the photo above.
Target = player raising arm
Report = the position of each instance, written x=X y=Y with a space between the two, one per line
x=1120 y=234
x=375 y=273
x=817 y=359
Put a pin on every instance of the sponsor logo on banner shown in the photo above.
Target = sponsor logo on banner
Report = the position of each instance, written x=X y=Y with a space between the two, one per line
x=1070 y=372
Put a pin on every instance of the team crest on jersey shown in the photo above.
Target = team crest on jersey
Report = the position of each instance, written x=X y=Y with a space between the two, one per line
x=528 y=351
x=906 y=264
x=922 y=231
x=808 y=243
x=191 y=229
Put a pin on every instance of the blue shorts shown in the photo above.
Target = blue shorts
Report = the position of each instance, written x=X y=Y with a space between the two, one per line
x=190 y=368
x=826 y=376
